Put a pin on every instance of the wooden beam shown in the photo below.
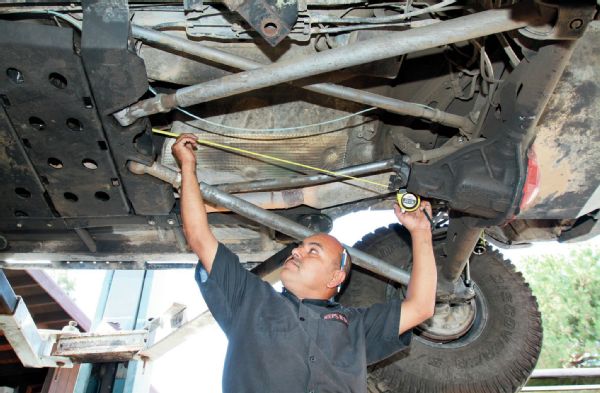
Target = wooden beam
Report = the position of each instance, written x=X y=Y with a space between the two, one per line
x=61 y=298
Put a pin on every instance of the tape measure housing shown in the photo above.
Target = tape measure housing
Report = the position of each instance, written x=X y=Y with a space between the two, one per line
x=408 y=201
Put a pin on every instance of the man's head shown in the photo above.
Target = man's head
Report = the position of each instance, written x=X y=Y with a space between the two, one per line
x=314 y=269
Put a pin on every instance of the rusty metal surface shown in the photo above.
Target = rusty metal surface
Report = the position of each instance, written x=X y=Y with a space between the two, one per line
x=391 y=45
x=187 y=70
x=129 y=249
x=318 y=196
x=304 y=181
x=171 y=57
x=178 y=68
x=32 y=348
x=524 y=232
x=568 y=23
x=326 y=151
x=288 y=183
x=272 y=19
x=218 y=167
x=174 y=68
x=20 y=185
x=101 y=347
x=568 y=141
x=58 y=150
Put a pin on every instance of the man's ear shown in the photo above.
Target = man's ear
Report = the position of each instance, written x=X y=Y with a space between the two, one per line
x=338 y=278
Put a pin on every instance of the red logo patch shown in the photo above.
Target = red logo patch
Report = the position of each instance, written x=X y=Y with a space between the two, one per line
x=336 y=316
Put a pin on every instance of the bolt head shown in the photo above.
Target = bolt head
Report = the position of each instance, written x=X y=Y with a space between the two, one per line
x=576 y=24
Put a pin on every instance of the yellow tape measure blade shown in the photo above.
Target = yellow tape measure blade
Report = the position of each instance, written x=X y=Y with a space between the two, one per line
x=272 y=158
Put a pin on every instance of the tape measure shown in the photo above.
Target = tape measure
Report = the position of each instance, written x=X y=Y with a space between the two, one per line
x=408 y=201
x=273 y=158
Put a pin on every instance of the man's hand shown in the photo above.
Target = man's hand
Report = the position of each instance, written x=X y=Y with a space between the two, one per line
x=183 y=150
x=415 y=221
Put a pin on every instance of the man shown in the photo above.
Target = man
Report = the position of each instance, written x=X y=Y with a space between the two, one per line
x=300 y=340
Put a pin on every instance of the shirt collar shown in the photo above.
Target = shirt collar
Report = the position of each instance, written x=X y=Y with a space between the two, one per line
x=317 y=302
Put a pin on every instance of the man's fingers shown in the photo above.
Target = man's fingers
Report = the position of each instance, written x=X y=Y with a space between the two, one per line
x=183 y=148
x=427 y=212
x=185 y=139
x=426 y=206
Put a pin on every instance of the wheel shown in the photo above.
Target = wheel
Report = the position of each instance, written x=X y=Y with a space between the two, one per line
x=489 y=345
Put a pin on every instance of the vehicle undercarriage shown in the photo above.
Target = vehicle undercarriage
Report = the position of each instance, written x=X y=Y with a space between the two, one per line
x=486 y=108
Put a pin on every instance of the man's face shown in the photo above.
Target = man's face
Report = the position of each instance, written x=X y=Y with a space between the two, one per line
x=308 y=271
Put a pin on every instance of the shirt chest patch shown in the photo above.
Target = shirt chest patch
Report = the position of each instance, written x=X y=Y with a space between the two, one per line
x=337 y=317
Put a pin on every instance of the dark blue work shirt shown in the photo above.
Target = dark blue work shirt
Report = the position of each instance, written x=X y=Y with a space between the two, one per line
x=278 y=343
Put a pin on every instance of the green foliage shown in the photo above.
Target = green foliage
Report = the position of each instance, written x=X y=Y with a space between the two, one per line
x=65 y=283
x=568 y=292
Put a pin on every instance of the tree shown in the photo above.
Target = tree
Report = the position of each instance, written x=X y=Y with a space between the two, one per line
x=568 y=293
x=65 y=282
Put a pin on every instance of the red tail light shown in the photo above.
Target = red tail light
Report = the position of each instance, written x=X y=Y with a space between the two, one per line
x=532 y=182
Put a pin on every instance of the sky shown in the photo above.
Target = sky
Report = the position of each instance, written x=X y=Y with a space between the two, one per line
x=199 y=359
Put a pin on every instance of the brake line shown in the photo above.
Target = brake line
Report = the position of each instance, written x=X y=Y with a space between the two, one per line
x=272 y=158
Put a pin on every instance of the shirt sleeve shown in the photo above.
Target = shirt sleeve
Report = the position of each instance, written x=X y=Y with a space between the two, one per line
x=382 y=323
x=223 y=289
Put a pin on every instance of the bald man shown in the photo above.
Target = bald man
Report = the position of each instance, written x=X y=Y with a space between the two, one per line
x=300 y=340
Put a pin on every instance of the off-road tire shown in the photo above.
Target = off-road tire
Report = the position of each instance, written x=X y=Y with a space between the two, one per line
x=496 y=355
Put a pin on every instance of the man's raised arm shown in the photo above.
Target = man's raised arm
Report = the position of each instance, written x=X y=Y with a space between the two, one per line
x=419 y=304
x=193 y=213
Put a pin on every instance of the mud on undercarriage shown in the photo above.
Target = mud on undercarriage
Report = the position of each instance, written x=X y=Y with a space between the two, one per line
x=489 y=109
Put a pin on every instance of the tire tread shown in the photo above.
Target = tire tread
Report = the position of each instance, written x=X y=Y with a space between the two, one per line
x=509 y=380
